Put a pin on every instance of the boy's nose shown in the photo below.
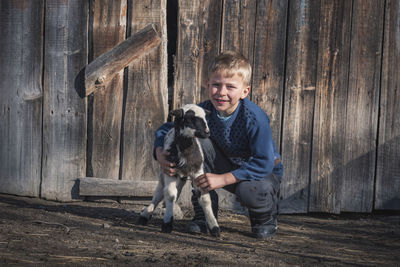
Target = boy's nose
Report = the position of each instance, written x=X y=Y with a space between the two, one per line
x=222 y=90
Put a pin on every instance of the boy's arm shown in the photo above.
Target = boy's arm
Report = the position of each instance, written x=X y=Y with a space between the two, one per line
x=262 y=148
x=211 y=181
x=160 y=135
x=159 y=153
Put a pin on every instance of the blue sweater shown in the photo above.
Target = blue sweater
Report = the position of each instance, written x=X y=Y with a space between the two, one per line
x=245 y=138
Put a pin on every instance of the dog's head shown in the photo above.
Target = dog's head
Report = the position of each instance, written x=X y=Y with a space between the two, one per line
x=190 y=121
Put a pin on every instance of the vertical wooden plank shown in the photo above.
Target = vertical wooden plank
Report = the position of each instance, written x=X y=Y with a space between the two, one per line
x=21 y=65
x=147 y=96
x=362 y=106
x=109 y=29
x=64 y=112
x=269 y=61
x=198 y=43
x=387 y=194
x=330 y=114
x=299 y=103
x=238 y=26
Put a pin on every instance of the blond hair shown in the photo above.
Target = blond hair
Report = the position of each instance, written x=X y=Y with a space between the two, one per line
x=231 y=63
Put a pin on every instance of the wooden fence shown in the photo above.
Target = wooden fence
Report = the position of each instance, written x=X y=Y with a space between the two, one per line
x=326 y=72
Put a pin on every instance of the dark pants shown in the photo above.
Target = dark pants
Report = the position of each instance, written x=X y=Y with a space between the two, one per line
x=259 y=196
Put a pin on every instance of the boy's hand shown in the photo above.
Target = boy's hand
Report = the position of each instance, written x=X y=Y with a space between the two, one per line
x=167 y=167
x=210 y=181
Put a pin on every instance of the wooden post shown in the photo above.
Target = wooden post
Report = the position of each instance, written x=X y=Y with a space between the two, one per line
x=146 y=97
x=105 y=107
x=362 y=106
x=301 y=69
x=329 y=123
x=388 y=163
x=21 y=96
x=64 y=112
x=102 y=69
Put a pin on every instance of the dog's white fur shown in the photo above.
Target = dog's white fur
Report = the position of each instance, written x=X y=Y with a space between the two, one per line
x=169 y=188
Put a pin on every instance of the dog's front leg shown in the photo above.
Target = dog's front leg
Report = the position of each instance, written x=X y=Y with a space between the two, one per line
x=205 y=203
x=147 y=212
x=170 y=196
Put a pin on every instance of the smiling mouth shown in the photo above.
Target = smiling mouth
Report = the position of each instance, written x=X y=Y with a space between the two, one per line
x=221 y=101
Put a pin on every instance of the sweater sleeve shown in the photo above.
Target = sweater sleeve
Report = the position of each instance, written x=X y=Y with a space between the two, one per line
x=262 y=151
x=160 y=135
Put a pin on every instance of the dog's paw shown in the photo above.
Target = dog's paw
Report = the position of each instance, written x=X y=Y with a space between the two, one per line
x=216 y=231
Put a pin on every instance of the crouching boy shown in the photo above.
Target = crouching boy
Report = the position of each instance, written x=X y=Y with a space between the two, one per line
x=240 y=155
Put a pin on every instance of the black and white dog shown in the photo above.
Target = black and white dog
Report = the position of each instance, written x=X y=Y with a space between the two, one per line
x=185 y=151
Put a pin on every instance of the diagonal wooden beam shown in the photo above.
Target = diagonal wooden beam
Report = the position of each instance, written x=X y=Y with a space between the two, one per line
x=101 y=70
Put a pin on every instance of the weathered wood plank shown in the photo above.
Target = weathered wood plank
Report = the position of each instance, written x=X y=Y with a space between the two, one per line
x=387 y=194
x=147 y=96
x=104 y=130
x=21 y=65
x=269 y=61
x=198 y=43
x=101 y=70
x=362 y=106
x=329 y=116
x=301 y=65
x=103 y=187
x=64 y=112
x=238 y=27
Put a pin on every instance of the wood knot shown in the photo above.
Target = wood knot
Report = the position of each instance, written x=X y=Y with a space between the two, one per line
x=101 y=80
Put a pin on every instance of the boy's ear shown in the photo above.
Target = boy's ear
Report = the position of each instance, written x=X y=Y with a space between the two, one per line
x=245 y=92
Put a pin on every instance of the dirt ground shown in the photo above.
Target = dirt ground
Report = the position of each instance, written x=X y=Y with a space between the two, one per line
x=37 y=232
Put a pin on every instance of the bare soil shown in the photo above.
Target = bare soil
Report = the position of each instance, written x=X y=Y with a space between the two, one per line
x=36 y=232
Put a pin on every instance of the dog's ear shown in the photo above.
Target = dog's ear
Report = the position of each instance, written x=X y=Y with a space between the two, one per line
x=178 y=113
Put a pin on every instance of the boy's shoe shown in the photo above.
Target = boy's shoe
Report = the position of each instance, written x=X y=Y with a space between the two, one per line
x=264 y=231
x=263 y=226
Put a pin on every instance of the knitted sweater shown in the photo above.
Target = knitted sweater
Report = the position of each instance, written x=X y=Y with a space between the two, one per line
x=245 y=138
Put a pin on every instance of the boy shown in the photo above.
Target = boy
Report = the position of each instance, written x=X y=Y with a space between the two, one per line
x=240 y=155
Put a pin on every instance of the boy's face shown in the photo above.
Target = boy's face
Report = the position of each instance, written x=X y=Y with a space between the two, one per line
x=225 y=92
